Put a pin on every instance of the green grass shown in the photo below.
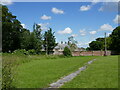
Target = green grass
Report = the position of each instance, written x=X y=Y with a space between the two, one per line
x=40 y=72
x=103 y=73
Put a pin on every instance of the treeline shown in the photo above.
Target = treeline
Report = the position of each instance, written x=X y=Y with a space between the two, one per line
x=112 y=42
x=14 y=36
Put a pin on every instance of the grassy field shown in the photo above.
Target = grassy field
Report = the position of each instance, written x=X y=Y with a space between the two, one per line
x=103 y=73
x=39 y=73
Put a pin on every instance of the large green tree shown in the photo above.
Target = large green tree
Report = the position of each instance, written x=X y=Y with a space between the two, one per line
x=99 y=44
x=38 y=37
x=25 y=39
x=49 y=41
x=32 y=41
x=115 y=39
x=96 y=45
x=11 y=28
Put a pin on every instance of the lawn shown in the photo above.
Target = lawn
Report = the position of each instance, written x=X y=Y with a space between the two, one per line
x=39 y=73
x=103 y=73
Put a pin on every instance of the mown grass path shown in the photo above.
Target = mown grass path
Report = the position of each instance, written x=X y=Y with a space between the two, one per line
x=69 y=77
x=102 y=73
x=40 y=73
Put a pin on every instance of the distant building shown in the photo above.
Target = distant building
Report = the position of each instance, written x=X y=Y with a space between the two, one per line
x=61 y=46
x=58 y=50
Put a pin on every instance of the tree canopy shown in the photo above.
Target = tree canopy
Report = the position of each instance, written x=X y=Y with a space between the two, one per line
x=11 y=28
x=113 y=42
x=49 y=41
x=115 y=39
x=14 y=36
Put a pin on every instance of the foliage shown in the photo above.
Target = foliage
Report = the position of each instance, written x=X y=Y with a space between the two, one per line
x=11 y=31
x=88 y=48
x=115 y=39
x=25 y=39
x=108 y=42
x=32 y=52
x=72 y=43
x=10 y=62
x=49 y=41
x=67 y=52
x=7 y=77
x=99 y=44
x=112 y=41
x=15 y=37
x=32 y=41
x=38 y=36
x=20 y=52
x=43 y=53
x=96 y=45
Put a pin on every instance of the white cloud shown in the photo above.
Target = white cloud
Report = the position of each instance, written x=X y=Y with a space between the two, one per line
x=85 y=8
x=44 y=26
x=93 y=32
x=117 y=19
x=109 y=7
x=95 y=1
x=106 y=27
x=6 y=2
x=82 y=44
x=66 y=31
x=45 y=17
x=57 y=11
x=23 y=25
x=82 y=32
x=74 y=35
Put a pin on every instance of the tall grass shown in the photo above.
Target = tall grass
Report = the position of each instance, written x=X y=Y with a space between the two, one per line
x=11 y=61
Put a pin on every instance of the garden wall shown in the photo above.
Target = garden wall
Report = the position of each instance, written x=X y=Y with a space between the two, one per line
x=84 y=53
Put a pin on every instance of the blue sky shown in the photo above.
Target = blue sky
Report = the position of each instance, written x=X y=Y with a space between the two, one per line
x=86 y=21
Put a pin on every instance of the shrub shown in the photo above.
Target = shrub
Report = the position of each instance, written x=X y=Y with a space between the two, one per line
x=67 y=52
x=32 y=52
x=20 y=52
x=7 y=76
x=43 y=52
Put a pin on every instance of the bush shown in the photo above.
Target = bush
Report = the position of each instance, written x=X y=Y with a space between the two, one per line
x=67 y=52
x=21 y=52
x=43 y=52
x=32 y=52
x=7 y=76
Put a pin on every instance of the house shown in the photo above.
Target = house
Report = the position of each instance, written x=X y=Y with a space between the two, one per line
x=58 y=50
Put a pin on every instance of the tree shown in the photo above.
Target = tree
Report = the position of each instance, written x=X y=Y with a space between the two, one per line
x=96 y=45
x=72 y=43
x=88 y=49
x=11 y=28
x=49 y=41
x=115 y=40
x=32 y=41
x=109 y=42
x=38 y=36
x=67 y=52
x=25 y=39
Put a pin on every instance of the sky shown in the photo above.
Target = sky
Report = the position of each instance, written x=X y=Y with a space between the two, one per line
x=85 y=21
